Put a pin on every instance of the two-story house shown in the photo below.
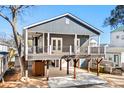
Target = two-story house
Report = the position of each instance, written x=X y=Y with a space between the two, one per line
x=115 y=50
x=62 y=35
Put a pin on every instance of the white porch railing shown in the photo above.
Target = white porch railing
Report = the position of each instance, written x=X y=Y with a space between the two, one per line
x=67 y=50
x=96 y=50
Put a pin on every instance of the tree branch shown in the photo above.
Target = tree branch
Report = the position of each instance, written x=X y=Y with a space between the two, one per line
x=6 y=18
x=12 y=25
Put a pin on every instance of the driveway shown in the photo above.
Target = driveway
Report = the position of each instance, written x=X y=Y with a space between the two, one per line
x=59 y=79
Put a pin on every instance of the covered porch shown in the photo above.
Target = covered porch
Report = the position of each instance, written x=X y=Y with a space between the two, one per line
x=40 y=46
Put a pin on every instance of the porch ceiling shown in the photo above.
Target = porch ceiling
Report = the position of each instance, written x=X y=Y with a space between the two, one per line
x=38 y=33
x=34 y=34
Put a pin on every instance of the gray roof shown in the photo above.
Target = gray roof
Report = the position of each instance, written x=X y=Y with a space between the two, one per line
x=121 y=28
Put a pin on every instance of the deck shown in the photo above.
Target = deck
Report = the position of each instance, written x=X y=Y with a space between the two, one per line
x=46 y=56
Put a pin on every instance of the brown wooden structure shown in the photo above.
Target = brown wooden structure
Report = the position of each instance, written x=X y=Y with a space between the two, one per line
x=38 y=68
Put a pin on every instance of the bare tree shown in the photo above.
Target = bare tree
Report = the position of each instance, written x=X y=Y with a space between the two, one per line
x=11 y=14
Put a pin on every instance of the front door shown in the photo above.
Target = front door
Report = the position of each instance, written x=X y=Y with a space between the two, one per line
x=78 y=45
x=116 y=59
x=56 y=44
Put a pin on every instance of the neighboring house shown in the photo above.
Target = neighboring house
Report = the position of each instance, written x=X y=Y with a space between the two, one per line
x=3 y=47
x=3 y=58
x=115 y=51
x=62 y=35
x=93 y=43
x=117 y=37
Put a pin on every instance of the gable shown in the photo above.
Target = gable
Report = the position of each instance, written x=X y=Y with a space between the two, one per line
x=60 y=25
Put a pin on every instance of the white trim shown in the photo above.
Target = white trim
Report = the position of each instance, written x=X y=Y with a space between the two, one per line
x=48 y=42
x=78 y=47
x=75 y=43
x=34 y=47
x=50 y=50
x=63 y=16
x=43 y=42
x=89 y=50
x=98 y=44
x=70 y=50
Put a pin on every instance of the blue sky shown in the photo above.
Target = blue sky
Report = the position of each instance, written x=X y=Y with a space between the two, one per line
x=94 y=15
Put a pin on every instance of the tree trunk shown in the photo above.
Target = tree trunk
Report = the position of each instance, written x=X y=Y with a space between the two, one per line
x=14 y=11
x=18 y=44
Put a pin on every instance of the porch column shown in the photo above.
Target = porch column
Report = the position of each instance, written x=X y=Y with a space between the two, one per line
x=47 y=70
x=43 y=43
x=34 y=47
x=60 y=61
x=68 y=66
x=70 y=51
x=36 y=44
x=89 y=45
x=48 y=42
x=75 y=43
x=26 y=44
x=98 y=44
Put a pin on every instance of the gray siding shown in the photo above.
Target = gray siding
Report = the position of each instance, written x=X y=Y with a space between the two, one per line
x=60 y=26
x=67 y=41
x=83 y=39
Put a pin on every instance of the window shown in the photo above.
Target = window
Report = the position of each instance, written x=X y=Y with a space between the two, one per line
x=54 y=44
x=117 y=37
x=122 y=37
x=116 y=58
x=67 y=21
x=59 y=44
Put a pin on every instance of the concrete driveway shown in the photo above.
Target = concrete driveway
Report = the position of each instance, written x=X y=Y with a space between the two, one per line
x=59 y=79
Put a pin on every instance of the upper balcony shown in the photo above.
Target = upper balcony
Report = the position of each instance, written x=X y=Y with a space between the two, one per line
x=49 y=46
x=37 y=53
